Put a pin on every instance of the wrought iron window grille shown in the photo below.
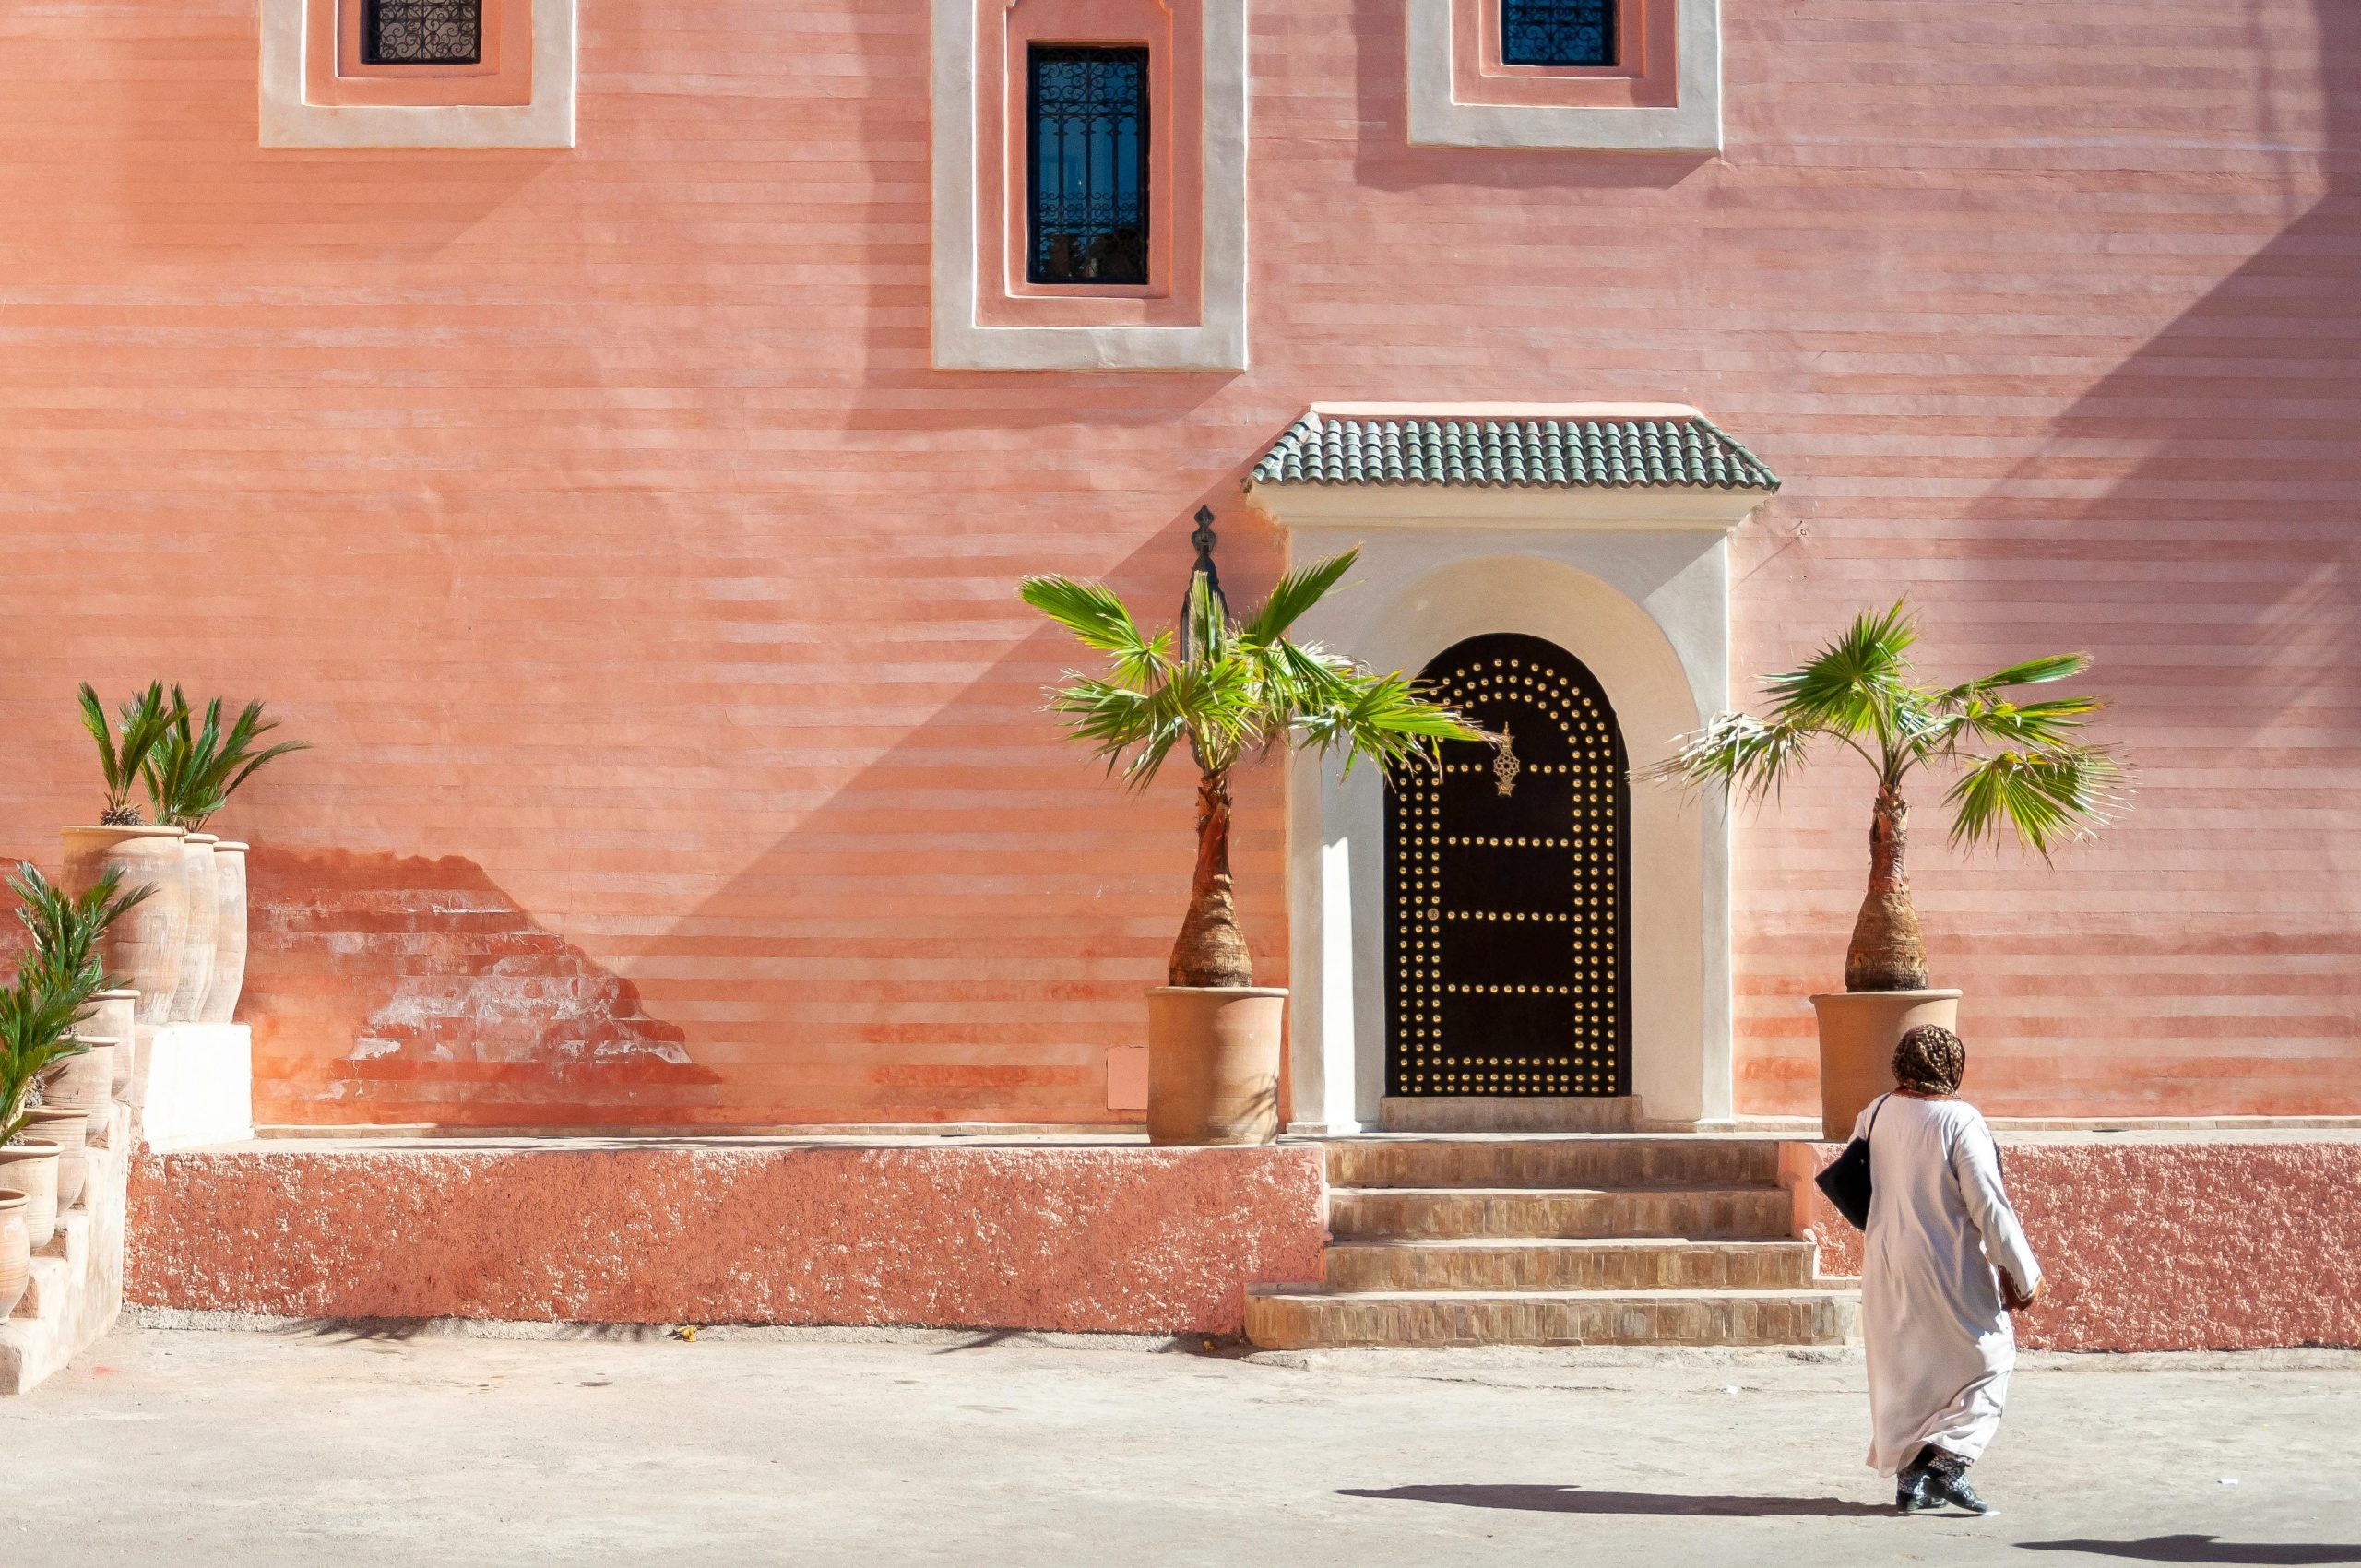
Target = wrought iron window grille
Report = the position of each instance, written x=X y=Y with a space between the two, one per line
x=422 y=32
x=1086 y=164
x=1557 y=32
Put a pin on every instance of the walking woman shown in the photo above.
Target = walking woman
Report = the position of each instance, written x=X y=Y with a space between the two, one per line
x=1944 y=1265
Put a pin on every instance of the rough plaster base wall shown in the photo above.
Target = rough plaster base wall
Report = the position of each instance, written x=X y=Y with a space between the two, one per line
x=1081 y=1239
x=2181 y=1246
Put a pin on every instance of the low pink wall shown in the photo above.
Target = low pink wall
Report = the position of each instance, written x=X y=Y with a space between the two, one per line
x=1121 y=1238
x=2188 y=1244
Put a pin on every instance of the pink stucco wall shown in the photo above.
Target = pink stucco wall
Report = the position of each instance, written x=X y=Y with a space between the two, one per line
x=2177 y=1243
x=650 y=596
x=1116 y=1239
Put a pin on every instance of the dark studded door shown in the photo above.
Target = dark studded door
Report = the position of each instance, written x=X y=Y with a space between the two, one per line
x=1507 y=961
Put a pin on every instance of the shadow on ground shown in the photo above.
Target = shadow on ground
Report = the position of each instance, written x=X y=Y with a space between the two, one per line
x=2203 y=1548
x=1574 y=1499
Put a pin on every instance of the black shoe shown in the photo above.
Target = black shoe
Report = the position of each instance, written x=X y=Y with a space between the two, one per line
x=1947 y=1485
x=1910 y=1493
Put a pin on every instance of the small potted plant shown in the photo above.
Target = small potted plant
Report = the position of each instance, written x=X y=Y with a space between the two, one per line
x=1232 y=691
x=191 y=774
x=66 y=932
x=35 y=1032
x=2020 y=769
x=147 y=949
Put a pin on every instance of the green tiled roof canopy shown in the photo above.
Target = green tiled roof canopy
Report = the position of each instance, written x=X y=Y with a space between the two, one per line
x=1686 y=449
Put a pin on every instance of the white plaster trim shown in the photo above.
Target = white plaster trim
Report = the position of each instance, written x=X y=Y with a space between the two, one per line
x=287 y=120
x=1519 y=506
x=1646 y=605
x=1693 y=124
x=1216 y=342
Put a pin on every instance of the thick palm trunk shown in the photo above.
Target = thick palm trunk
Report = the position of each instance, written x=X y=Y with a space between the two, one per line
x=1211 y=951
x=1886 y=953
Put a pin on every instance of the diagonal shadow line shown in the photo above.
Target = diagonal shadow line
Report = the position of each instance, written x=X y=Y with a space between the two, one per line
x=2205 y=1548
x=1576 y=1500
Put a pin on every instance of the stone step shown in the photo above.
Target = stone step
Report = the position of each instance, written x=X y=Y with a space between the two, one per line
x=1594 y=1161
x=45 y=1286
x=1283 y=1318
x=1700 y=1214
x=1616 y=1264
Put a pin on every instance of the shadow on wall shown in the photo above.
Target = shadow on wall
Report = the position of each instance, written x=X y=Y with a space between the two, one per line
x=424 y=992
x=966 y=922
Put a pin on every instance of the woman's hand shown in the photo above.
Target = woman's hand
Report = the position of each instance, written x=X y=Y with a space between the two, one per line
x=2017 y=1301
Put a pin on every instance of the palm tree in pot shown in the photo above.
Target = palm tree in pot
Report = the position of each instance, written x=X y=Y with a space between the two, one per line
x=2019 y=769
x=146 y=948
x=191 y=774
x=1229 y=692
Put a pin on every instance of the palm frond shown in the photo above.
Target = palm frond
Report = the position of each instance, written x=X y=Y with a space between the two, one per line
x=1855 y=684
x=1746 y=756
x=1238 y=692
x=2045 y=798
x=1098 y=620
x=2032 y=671
x=36 y=1021
x=191 y=774
x=1294 y=594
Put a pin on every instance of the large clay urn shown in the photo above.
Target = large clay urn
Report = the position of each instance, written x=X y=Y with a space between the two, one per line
x=146 y=946
x=84 y=1083
x=229 y=933
x=204 y=915
x=31 y=1168
x=65 y=1127
x=1213 y=1063
x=110 y=1016
x=15 y=1251
x=1857 y=1033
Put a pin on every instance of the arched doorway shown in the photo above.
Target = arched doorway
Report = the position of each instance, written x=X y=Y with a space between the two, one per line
x=1507 y=886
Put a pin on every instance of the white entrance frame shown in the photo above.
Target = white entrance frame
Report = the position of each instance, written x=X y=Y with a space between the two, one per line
x=1634 y=582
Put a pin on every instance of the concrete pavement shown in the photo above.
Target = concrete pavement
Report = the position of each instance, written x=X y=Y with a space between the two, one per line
x=265 y=1449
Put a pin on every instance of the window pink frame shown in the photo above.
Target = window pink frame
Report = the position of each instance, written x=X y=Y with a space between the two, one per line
x=1644 y=78
x=1174 y=293
x=334 y=74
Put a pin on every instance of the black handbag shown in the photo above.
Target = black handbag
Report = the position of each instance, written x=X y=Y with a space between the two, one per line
x=1846 y=1181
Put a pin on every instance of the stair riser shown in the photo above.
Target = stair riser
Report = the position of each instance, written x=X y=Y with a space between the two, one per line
x=1539 y=1268
x=1736 y=1217
x=1637 y=1162
x=1336 y=1322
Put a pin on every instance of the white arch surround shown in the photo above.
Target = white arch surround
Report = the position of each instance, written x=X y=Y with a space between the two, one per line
x=1632 y=582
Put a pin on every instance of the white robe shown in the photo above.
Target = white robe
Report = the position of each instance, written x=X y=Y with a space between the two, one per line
x=1940 y=1344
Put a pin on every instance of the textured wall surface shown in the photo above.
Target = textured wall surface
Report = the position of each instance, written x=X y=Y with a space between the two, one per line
x=2150 y=1244
x=649 y=598
x=1112 y=1240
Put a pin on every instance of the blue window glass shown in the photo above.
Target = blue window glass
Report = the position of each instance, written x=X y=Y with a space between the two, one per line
x=1087 y=165
x=422 y=32
x=1557 y=32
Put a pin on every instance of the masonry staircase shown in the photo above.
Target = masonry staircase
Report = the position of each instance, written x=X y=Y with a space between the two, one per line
x=1590 y=1240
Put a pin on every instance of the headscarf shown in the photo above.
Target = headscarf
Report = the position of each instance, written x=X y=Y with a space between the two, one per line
x=1930 y=1060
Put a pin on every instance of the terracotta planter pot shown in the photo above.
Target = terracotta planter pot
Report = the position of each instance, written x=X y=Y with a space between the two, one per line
x=1213 y=1063
x=229 y=933
x=84 y=1083
x=15 y=1251
x=63 y=1128
x=204 y=915
x=31 y=1168
x=111 y=1016
x=146 y=946
x=1857 y=1033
